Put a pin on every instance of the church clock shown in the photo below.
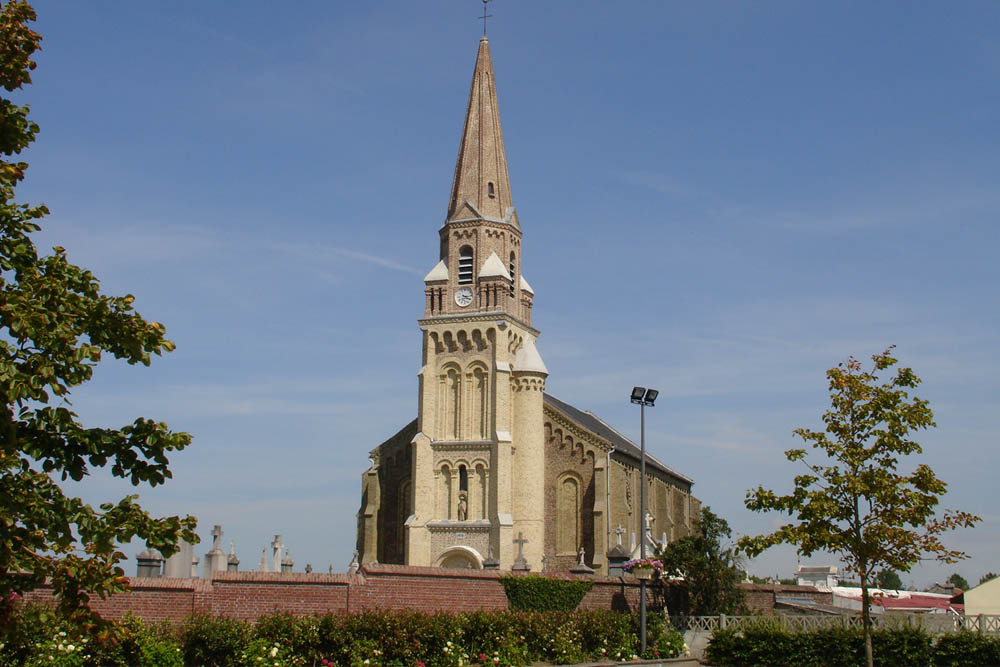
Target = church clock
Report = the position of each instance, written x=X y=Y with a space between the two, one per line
x=463 y=297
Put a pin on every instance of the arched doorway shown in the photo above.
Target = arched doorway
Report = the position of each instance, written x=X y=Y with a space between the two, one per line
x=462 y=558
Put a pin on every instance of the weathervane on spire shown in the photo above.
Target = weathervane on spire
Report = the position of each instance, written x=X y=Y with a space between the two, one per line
x=485 y=15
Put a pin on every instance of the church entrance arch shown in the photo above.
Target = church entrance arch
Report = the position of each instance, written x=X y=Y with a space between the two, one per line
x=463 y=558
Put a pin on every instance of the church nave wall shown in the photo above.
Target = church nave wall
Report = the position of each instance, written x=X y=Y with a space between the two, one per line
x=570 y=498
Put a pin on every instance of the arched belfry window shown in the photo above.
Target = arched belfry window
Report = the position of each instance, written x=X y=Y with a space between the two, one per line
x=490 y=190
x=465 y=265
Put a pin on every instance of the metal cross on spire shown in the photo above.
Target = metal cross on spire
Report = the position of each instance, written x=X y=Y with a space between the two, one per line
x=485 y=15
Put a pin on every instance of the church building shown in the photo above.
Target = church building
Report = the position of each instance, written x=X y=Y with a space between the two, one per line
x=494 y=472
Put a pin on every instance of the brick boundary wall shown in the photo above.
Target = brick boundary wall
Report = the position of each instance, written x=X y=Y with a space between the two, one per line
x=760 y=598
x=250 y=595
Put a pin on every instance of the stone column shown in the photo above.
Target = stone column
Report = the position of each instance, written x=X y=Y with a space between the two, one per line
x=600 y=515
x=418 y=543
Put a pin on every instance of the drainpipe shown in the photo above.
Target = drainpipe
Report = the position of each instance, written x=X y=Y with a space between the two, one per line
x=607 y=498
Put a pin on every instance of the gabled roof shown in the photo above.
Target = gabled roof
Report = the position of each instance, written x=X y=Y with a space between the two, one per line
x=439 y=272
x=591 y=422
x=526 y=287
x=494 y=268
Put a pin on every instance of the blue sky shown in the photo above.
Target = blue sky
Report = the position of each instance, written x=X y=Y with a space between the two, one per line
x=720 y=200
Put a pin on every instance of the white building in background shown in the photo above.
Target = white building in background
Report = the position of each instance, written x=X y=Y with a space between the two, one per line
x=983 y=599
x=820 y=576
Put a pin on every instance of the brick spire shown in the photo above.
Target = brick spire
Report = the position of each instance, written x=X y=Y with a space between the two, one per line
x=481 y=177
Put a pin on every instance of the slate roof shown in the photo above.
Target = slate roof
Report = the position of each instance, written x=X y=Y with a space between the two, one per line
x=591 y=422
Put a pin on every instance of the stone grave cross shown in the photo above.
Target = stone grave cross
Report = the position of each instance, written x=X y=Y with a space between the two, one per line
x=519 y=562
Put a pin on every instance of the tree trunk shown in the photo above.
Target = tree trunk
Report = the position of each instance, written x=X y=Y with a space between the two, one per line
x=866 y=621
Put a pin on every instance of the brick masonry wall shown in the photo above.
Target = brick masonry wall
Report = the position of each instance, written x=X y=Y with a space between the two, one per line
x=250 y=595
x=760 y=597
x=564 y=456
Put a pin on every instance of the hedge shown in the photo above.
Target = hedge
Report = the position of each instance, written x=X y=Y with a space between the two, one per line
x=841 y=647
x=32 y=635
x=532 y=592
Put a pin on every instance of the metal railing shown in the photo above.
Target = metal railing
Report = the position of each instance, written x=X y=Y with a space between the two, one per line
x=935 y=624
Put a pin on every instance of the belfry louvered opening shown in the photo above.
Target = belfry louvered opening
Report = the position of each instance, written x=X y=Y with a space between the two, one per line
x=465 y=265
x=513 y=272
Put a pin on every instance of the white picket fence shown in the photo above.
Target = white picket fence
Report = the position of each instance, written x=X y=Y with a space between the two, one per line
x=935 y=624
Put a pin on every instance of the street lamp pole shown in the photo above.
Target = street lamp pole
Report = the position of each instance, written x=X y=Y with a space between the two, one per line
x=642 y=397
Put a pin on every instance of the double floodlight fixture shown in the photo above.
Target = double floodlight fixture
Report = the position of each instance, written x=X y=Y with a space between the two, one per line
x=643 y=396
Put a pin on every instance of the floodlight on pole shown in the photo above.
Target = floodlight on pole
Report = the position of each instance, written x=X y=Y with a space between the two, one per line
x=642 y=397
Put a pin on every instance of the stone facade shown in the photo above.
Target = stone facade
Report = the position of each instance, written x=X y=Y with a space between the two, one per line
x=491 y=457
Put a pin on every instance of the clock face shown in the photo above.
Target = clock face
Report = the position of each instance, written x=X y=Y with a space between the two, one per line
x=463 y=297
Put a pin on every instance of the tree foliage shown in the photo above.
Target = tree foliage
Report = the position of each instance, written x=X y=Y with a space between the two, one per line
x=854 y=501
x=986 y=577
x=700 y=574
x=55 y=326
x=958 y=581
x=888 y=579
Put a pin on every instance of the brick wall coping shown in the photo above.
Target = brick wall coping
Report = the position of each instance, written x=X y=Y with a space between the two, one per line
x=283 y=578
x=446 y=573
x=166 y=584
x=780 y=588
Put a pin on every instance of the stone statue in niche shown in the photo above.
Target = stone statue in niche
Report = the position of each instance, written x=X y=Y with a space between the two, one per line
x=583 y=555
x=463 y=506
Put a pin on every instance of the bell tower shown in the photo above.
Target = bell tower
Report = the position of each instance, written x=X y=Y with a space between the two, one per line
x=478 y=464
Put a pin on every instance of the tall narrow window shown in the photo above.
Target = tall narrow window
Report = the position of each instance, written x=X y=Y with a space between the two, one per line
x=444 y=493
x=479 y=404
x=568 y=515
x=465 y=265
x=463 y=478
x=490 y=191
x=513 y=273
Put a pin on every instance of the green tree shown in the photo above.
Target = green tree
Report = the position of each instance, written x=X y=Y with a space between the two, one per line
x=854 y=502
x=986 y=577
x=888 y=579
x=55 y=326
x=706 y=575
x=958 y=581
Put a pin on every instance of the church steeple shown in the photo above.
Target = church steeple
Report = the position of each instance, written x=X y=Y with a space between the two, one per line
x=480 y=258
x=481 y=186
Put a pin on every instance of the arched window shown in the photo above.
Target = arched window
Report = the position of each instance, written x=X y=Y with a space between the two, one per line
x=568 y=515
x=481 y=493
x=449 y=403
x=443 y=509
x=490 y=191
x=480 y=403
x=465 y=265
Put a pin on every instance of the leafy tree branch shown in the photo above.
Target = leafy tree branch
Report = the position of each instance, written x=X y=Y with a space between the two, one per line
x=55 y=327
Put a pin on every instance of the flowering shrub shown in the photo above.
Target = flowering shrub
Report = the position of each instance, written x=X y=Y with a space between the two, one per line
x=270 y=654
x=369 y=639
x=649 y=563
x=215 y=641
x=133 y=642
x=60 y=650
